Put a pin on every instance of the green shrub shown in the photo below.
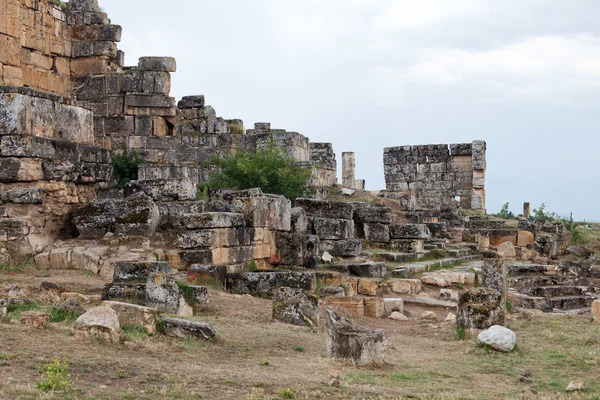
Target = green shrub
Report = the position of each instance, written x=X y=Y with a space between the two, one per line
x=57 y=315
x=202 y=194
x=270 y=169
x=299 y=349
x=505 y=213
x=542 y=214
x=125 y=167
x=56 y=377
x=286 y=393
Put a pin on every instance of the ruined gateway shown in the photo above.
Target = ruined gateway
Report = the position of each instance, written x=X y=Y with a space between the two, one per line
x=68 y=102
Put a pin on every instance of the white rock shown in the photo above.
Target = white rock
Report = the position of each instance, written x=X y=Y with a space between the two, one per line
x=99 y=321
x=327 y=258
x=396 y=316
x=429 y=315
x=348 y=192
x=451 y=317
x=575 y=386
x=507 y=249
x=498 y=338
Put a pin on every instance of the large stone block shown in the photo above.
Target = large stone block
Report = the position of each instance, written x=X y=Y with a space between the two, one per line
x=138 y=272
x=410 y=231
x=183 y=329
x=295 y=307
x=139 y=216
x=333 y=229
x=289 y=249
x=167 y=64
x=264 y=284
x=222 y=237
x=162 y=292
x=134 y=315
x=208 y=275
x=373 y=214
x=377 y=233
x=368 y=269
x=213 y=220
x=99 y=322
x=346 y=340
x=480 y=309
x=326 y=209
x=191 y=102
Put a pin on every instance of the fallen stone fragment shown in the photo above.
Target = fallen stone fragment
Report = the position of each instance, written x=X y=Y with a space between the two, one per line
x=347 y=340
x=295 y=307
x=575 y=386
x=327 y=258
x=498 y=338
x=132 y=314
x=429 y=315
x=396 y=316
x=100 y=322
x=182 y=329
x=36 y=319
x=52 y=286
x=451 y=317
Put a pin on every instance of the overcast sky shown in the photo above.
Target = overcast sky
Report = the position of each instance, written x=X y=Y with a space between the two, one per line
x=523 y=75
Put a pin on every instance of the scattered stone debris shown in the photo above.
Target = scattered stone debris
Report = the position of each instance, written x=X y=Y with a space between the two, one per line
x=73 y=306
x=36 y=319
x=132 y=314
x=429 y=316
x=327 y=258
x=182 y=329
x=498 y=338
x=396 y=316
x=346 y=340
x=99 y=322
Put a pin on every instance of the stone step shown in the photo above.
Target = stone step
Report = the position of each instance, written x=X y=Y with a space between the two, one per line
x=519 y=300
x=538 y=269
x=457 y=253
x=429 y=302
x=554 y=291
x=574 y=311
x=408 y=270
x=571 y=302
x=529 y=281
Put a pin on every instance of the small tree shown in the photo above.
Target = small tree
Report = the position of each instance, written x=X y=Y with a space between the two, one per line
x=270 y=169
x=125 y=166
x=542 y=214
x=504 y=212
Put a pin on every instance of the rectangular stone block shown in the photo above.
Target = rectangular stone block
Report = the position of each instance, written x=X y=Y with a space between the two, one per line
x=374 y=307
x=167 y=64
x=410 y=231
x=213 y=220
x=227 y=237
x=333 y=229
x=353 y=304
x=208 y=275
x=326 y=209
x=377 y=233
x=405 y=286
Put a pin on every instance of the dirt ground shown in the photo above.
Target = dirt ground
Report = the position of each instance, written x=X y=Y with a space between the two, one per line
x=254 y=358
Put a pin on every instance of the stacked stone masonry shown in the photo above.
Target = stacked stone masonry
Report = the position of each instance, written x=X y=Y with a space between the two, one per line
x=434 y=176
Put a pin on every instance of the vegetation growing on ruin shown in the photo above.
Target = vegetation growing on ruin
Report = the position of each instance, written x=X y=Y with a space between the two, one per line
x=64 y=7
x=505 y=213
x=125 y=167
x=270 y=169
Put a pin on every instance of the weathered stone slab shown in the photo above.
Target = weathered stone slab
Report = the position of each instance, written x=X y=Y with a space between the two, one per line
x=374 y=307
x=296 y=307
x=183 y=329
x=326 y=209
x=132 y=314
x=353 y=304
x=211 y=275
x=191 y=102
x=99 y=322
x=333 y=229
x=167 y=64
x=373 y=214
x=368 y=269
x=410 y=231
x=162 y=292
x=225 y=237
x=264 y=284
x=405 y=286
x=213 y=220
x=480 y=309
x=138 y=272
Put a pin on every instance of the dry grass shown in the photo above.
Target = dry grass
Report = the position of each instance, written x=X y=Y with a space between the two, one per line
x=253 y=358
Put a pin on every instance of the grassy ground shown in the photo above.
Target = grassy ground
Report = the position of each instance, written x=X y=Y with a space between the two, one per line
x=253 y=358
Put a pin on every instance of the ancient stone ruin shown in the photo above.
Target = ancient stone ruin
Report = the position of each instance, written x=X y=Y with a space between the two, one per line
x=68 y=104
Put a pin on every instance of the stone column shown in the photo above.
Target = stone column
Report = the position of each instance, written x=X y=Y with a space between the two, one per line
x=348 y=166
x=526 y=210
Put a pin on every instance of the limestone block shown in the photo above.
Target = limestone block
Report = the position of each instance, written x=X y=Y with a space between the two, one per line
x=60 y=258
x=209 y=275
x=167 y=64
x=507 y=249
x=374 y=307
x=331 y=291
x=213 y=220
x=393 y=305
x=350 y=303
x=111 y=33
x=196 y=296
x=408 y=245
x=188 y=102
x=343 y=248
x=132 y=314
x=525 y=238
x=24 y=196
x=373 y=214
x=131 y=293
x=410 y=231
x=99 y=322
x=138 y=272
x=498 y=338
x=449 y=295
x=299 y=222
x=405 y=286
x=138 y=216
x=162 y=292
x=370 y=287
x=183 y=329
x=333 y=229
x=368 y=270
x=289 y=249
x=223 y=237
x=264 y=284
x=295 y=307
x=346 y=340
x=376 y=233
x=326 y=209
x=20 y=170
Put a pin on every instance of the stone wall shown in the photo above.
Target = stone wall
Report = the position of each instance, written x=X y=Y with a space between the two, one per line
x=434 y=176
x=35 y=46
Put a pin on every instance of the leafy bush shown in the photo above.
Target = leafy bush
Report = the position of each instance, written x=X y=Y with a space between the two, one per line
x=57 y=377
x=125 y=166
x=270 y=169
x=542 y=214
x=60 y=315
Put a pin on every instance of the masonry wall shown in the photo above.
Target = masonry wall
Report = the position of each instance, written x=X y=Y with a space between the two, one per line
x=434 y=176
x=35 y=46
